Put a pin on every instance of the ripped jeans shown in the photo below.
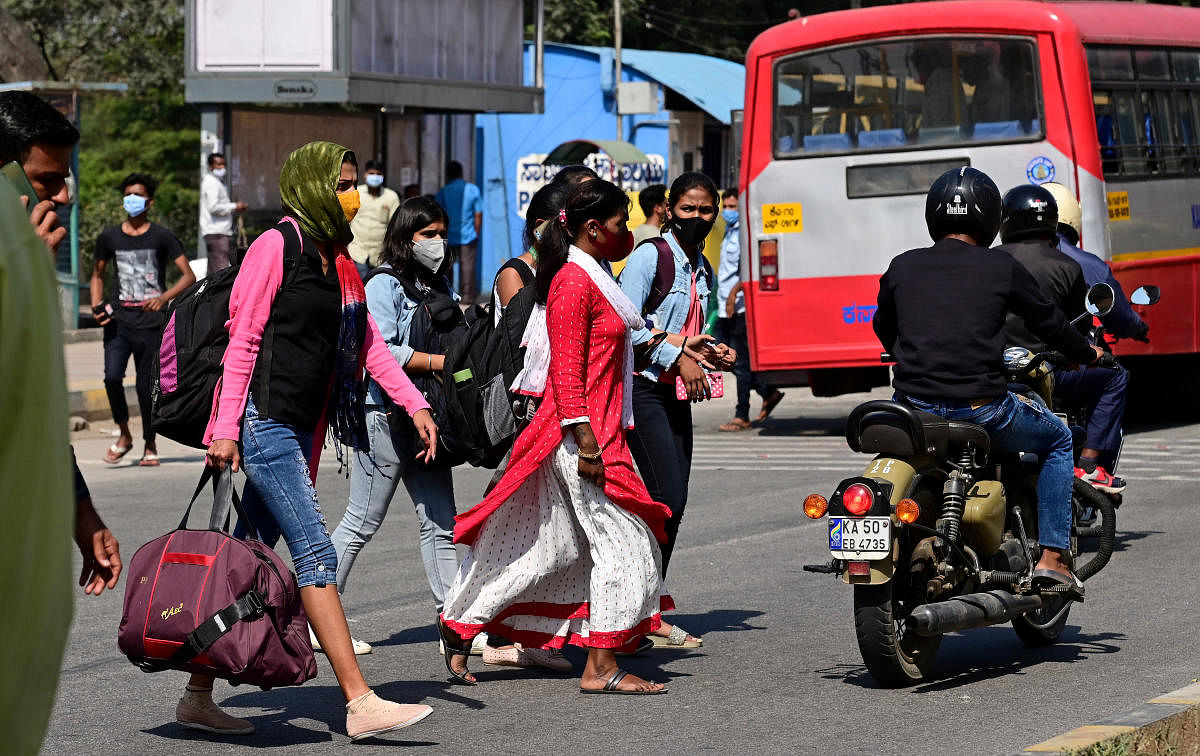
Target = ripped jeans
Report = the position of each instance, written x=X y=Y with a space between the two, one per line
x=280 y=498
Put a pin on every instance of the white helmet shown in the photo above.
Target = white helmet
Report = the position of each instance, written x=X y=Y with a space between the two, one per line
x=1069 y=212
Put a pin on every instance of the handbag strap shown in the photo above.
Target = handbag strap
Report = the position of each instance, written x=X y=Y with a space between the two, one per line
x=224 y=498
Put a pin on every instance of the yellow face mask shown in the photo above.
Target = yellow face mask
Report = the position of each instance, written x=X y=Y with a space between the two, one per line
x=350 y=203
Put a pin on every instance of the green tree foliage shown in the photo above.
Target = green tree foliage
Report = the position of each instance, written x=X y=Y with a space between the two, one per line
x=150 y=129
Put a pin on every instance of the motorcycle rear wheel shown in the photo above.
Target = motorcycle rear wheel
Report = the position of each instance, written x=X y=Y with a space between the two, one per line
x=893 y=654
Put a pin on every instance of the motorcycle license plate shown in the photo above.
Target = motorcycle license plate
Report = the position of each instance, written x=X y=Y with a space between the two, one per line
x=860 y=538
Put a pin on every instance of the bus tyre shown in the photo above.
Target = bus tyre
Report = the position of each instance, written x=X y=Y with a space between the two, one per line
x=893 y=654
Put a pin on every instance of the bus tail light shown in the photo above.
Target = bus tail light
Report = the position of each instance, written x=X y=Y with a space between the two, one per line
x=768 y=265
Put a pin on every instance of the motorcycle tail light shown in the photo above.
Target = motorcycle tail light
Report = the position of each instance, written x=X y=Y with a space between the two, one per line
x=857 y=499
x=815 y=506
x=768 y=265
x=907 y=511
x=859 y=569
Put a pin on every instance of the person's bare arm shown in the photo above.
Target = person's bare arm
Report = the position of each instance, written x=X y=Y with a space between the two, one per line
x=508 y=283
x=185 y=280
x=478 y=222
x=96 y=287
x=99 y=548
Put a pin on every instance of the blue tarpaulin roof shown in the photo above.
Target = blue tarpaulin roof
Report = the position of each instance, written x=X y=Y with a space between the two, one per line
x=717 y=86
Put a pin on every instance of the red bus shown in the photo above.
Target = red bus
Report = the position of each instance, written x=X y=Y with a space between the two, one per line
x=850 y=116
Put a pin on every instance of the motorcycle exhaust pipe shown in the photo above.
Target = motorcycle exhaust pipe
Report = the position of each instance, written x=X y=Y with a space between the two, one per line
x=972 y=610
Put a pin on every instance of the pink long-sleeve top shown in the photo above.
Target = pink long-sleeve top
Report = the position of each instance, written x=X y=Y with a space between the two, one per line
x=254 y=290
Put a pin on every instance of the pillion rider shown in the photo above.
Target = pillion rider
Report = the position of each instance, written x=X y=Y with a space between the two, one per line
x=941 y=315
x=1029 y=230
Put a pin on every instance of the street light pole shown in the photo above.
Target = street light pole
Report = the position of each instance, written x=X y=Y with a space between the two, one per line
x=617 y=57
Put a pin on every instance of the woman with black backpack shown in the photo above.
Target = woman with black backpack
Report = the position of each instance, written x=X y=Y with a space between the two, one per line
x=411 y=274
x=311 y=327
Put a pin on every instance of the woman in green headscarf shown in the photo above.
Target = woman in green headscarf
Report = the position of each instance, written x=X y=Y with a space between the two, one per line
x=298 y=300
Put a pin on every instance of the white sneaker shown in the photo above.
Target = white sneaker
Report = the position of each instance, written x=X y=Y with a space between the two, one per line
x=478 y=643
x=360 y=647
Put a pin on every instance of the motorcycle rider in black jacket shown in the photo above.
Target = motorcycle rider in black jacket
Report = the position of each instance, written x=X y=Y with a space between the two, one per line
x=1029 y=230
x=941 y=315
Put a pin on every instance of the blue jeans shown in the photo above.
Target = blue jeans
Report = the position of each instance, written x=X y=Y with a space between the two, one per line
x=280 y=498
x=372 y=486
x=732 y=332
x=1018 y=425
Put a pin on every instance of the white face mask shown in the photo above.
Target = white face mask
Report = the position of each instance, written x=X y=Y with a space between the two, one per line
x=430 y=253
x=219 y=172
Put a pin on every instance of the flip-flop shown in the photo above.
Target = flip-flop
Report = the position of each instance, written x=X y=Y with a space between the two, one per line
x=615 y=680
x=734 y=425
x=148 y=460
x=1055 y=582
x=677 y=638
x=113 y=454
x=769 y=405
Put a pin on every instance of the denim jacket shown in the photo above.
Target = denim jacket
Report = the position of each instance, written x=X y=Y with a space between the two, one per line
x=636 y=279
x=393 y=313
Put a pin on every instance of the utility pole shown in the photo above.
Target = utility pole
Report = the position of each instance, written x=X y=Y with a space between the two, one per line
x=617 y=58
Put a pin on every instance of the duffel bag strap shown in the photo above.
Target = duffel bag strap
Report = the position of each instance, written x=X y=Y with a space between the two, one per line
x=248 y=607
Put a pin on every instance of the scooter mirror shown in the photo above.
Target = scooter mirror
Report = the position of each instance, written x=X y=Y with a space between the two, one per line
x=1145 y=295
x=1100 y=298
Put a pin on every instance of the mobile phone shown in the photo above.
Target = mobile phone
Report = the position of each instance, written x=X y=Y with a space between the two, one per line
x=14 y=173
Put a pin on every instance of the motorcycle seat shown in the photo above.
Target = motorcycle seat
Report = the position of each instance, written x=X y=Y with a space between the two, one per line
x=886 y=427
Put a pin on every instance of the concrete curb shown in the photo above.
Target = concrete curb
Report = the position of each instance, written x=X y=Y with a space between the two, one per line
x=82 y=335
x=92 y=404
x=1154 y=712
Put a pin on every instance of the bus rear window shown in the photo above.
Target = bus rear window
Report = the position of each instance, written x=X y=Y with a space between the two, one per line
x=890 y=96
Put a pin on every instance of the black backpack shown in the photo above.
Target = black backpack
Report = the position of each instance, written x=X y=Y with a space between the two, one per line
x=477 y=399
x=505 y=356
x=437 y=323
x=192 y=344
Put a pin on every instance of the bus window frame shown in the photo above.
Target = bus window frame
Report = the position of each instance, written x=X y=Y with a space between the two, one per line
x=1186 y=156
x=1032 y=40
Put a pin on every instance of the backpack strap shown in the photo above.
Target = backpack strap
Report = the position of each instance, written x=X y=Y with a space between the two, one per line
x=293 y=249
x=410 y=288
x=664 y=275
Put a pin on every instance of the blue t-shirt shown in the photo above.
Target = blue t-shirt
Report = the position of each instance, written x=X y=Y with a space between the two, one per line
x=461 y=201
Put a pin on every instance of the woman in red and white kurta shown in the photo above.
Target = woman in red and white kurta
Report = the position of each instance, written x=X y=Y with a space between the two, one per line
x=564 y=548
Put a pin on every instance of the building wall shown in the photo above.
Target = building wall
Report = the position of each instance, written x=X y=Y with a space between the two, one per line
x=262 y=140
x=511 y=147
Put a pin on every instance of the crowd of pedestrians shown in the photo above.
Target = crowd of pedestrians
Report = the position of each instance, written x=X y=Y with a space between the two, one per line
x=572 y=541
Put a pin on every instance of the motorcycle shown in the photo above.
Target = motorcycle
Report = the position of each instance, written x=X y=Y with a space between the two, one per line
x=938 y=534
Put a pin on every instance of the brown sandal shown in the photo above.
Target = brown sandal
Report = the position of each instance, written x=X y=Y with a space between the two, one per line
x=769 y=405
x=734 y=425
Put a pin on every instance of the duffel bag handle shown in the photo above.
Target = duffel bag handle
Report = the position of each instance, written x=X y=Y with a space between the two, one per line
x=224 y=496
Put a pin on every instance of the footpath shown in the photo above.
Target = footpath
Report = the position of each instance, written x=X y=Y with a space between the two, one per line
x=84 y=354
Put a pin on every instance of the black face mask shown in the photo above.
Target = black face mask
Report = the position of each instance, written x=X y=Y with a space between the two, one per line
x=691 y=231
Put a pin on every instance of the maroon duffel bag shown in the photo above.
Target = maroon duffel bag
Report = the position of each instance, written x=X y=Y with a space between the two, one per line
x=203 y=601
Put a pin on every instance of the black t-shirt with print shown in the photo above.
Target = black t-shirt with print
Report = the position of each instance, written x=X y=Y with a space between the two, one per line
x=140 y=270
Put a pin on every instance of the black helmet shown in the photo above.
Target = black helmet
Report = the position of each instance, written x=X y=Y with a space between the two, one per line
x=963 y=201
x=1030 y=212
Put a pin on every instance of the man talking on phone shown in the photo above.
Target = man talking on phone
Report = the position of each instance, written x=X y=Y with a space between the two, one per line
x=40 y=140
x=35 y=456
